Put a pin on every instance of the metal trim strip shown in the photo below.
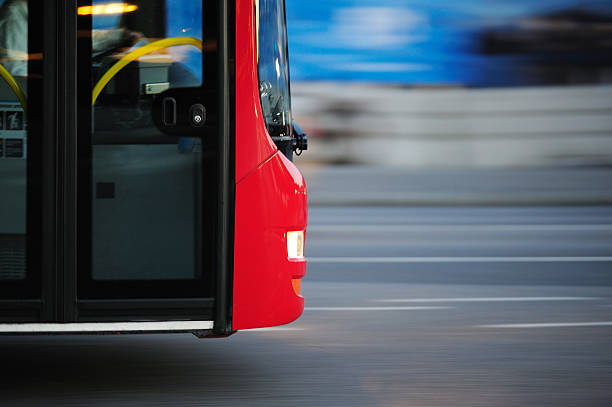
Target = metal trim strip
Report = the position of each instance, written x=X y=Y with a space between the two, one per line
x=99 y=327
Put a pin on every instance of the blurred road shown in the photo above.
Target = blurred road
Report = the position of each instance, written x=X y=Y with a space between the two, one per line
x=397 y=186
x=471 y=306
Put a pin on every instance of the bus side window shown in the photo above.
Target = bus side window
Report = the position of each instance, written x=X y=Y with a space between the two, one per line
x=14 y=36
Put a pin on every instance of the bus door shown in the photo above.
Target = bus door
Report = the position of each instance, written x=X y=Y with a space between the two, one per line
x=15 y=282
x=148 y=174
x=127 y=164
x=21 y=252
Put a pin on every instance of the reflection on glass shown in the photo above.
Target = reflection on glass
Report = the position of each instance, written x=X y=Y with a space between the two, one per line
x=13 y=140
x=274 y=67
x=107 y=9
x=146 y=185
x=14 y=36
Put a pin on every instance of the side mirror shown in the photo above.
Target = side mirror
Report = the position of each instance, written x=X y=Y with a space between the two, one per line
x=300 y=139
x=296 y=143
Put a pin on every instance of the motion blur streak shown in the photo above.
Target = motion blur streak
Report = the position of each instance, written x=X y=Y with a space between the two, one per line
x=431 y=357
x=495 y=299
x=549 y=325
x=549 y=259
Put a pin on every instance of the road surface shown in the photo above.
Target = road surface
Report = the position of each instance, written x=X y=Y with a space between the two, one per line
x=406 y=306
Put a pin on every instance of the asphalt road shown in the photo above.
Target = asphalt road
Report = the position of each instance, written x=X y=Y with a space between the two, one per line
x=351 y=185
x=413 y=306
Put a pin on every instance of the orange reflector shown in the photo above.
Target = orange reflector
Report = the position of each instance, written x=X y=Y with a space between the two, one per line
x=297 y=285
x=107 y=9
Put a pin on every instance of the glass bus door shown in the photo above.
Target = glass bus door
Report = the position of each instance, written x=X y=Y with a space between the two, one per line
x=24 y=185
x=148 y=152
x=114 y=144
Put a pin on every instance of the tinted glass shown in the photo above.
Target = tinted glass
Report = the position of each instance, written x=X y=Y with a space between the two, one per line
x=13 y=138
x=273 y=67
x=147 y=209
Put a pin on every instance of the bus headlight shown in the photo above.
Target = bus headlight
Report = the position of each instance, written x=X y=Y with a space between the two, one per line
x=295 y=244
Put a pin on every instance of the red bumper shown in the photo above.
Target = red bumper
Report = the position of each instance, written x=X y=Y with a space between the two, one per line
x=270 y=202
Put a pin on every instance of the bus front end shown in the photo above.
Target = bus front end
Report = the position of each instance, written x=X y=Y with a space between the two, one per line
x=167 y=201
x=271 y=200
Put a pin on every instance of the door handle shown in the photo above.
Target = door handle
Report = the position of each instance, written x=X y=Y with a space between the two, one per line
x=186 y=112
x=169 y=111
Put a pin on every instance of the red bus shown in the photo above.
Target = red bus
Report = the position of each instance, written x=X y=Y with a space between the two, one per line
x=146 y=175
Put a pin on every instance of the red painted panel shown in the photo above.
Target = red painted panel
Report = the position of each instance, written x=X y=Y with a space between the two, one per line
x=253 y=145
x=270 y=201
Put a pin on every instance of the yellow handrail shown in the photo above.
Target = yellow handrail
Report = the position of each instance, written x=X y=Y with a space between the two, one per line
x=10 y=80
x=137 y=53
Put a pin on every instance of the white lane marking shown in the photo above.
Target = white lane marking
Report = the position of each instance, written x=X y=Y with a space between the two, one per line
x=488 y=299
x=274 y=329
x=462 y=228
x=548 y=325
x=374 y=308
x=518 y=259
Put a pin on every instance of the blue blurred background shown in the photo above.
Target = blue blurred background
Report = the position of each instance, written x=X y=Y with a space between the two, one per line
x=450 y=84
x=442 y=42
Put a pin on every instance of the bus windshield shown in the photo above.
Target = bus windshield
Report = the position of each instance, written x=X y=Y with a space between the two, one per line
x=273 y=66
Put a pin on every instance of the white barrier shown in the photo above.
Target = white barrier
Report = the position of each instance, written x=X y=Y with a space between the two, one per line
x=409 y=127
